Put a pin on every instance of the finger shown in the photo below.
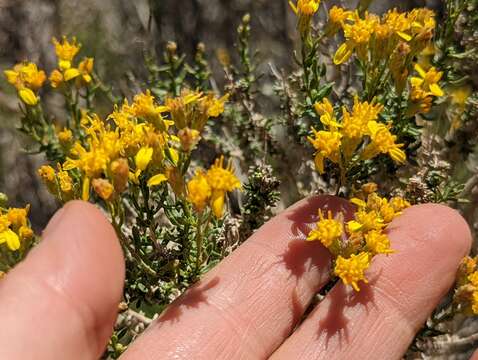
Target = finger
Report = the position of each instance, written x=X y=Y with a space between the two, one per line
x=61 y=302
x=381 y=321
x=251 y=301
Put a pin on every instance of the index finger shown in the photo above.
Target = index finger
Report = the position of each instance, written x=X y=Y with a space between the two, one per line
x=253 y=299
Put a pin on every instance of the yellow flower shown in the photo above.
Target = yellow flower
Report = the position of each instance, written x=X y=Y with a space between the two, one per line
x=327 y=231
x=103 y=188
x=327 y=146
x=326 y=112
x=337 y=16
x=351 y=270
x=11 y=239
x=221 y=180
x=421 y=101
x=47 y=174
x=26 y=75
x=85 y=68
x=65 y=136
x=199 y=190
x=398 y=203
x=71 y=73
x=378 y=242
x=428 y=80
x=28 y=96
x=120 y=170
x=18 y=216
x=365 y=221
x=65 y=51
x=144 y=106
x=25 y=233
x=188 y=138
x=215 y=107
x=357 y=35
x=157 y=180
x=143 y=158
x=56 y=78
x=4 y=223
x=382 y=141
x=399 y=24
x=66 y=183
x=304 y=9
x=474 y=303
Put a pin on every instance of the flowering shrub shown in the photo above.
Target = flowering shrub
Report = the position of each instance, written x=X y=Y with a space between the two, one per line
x=186 y=172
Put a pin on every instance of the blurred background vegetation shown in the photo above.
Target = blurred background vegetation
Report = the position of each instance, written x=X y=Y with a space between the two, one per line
x=117 y=33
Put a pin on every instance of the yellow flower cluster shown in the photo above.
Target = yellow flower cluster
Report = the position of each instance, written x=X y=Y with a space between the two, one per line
x=27 y=79
x=210 y=187
x=466 y=293
x=135 y=142
x=423 y=88
x=14 y=227
x=305 y=9
x=355 y=243
x=372 y=37
x=66 y=51
x=339 y=141
x=190 y=112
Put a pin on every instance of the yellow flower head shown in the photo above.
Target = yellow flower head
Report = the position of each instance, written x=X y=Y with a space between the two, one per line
x=222 y=178
x=428 y=80
x=199 y=190
x=65 y=181
x=327 y=230
x=355 y=125
x=11 y=239
x=47 y=174
x=56 y=78
x=65 y=51
x=85 y=67
x=119 y=170
x=4 y=223
x=26 y=75
x=144 y=106
x=18 y=216
x=351 y=270
x=382 y=141
x=378 y=242
x=103 y=188
x=182 y=109
x=188 y=138
x=357 y=34
x=327 y=146
x=399 y=24
x=25 y=233
x=326 y=112
x=214 y=106
x=27 y=79
x=365 y=221
x=65 y=136
x=338 y=16
x=305 y=9
x=143 y=158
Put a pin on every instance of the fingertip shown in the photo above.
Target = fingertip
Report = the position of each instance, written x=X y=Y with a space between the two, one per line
x=437 y=226
x=71 y=282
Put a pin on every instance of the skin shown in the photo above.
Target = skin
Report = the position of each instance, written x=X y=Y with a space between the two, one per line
x=61 y=302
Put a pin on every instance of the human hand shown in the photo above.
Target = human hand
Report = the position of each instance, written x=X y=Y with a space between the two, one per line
x=61 y=302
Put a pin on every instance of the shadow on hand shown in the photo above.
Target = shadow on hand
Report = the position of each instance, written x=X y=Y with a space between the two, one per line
x=191 y=299
x=341 y=297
